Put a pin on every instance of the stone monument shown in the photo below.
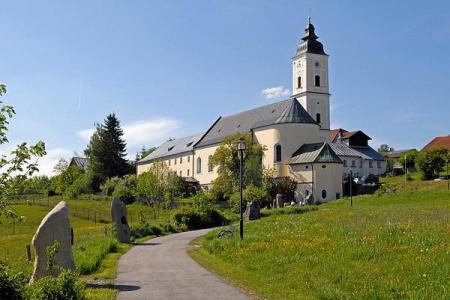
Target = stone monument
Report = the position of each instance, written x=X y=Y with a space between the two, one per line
x=119 y=219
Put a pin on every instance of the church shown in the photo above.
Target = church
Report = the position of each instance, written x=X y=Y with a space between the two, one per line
x=296 y=133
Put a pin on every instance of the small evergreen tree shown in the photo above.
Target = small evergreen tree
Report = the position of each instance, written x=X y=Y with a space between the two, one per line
x=107 y=151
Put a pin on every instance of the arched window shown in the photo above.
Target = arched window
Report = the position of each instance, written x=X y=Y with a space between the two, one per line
x=324 y=194
x=318 y=118
x=299 y=82
x=278 y=156
x=199 y=165
x=317 y=81
x=210 y=166
x=188 y=171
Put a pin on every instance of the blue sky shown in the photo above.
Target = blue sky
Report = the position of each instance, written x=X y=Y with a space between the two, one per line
x=170 y=68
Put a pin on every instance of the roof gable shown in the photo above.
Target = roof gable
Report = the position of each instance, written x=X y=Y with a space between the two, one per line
x=315 y=153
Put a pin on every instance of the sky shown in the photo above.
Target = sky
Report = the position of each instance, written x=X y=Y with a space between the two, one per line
x=170 y=68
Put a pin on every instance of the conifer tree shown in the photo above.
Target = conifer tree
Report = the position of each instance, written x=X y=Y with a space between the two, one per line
x=107 y=151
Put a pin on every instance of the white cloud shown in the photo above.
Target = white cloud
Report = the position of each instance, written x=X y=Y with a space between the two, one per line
x=275 y=92
x=141 y=132
x=47 y=162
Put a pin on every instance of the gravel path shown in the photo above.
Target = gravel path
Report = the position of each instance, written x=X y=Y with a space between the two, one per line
x=161 y=269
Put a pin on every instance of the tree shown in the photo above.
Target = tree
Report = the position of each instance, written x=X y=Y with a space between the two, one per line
x=385 y=148
x=106 y=152
x=432 y=162
x=226 y=159
x=410 y=159
x=60 y=166
x=19 y=164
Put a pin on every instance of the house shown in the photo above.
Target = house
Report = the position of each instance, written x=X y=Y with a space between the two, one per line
x=294 y=131
x=438 y=142
x=395 y=156
x=80 y=162
x=358 y=157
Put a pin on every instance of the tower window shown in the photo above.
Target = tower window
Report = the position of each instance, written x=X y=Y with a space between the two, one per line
x=317 y=80
x=324 y=194
x=318 y=117
x=299 y=82
x=199 y=165
x=278 y=156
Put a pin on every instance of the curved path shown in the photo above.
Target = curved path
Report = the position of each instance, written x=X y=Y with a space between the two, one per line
x=160 y=268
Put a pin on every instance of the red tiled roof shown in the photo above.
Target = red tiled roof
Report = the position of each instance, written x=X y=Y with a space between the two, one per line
x=437 y=142
x=334 y=133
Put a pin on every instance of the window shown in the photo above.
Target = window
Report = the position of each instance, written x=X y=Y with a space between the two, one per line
x=345 y=162
x=379 y=164
x=306 y=167
x=324 y=194
x=353 y=163
x=318 y=117
x=187 y=172
x=361 y=163
x=317 y=80
x=181 y=173
x=323 y=166
x=370 y=164
x=210 y=167
x=199 y=165
x=181 y=160
x=169 y=162
x=278 y=156
x=175 y=161
x=299 y=82
x=189 y=158
x=316 y=64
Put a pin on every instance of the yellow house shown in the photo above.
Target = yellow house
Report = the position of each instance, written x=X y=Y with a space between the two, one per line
x=295 y=131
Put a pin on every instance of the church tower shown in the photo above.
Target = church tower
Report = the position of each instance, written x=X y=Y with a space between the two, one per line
x=310 y=77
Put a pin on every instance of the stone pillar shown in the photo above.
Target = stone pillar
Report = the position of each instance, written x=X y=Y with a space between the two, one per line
x=252 y=212
x=55 y=227
x=119 y=219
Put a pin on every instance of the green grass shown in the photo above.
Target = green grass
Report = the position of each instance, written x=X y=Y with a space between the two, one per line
x=389 y=246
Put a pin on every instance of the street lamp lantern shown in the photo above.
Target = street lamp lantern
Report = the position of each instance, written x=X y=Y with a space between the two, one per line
x=241 y=147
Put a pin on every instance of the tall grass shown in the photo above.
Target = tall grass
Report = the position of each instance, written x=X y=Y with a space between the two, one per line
x=89 y=254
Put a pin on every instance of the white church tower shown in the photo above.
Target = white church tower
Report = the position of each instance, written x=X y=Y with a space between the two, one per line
x=310 y=78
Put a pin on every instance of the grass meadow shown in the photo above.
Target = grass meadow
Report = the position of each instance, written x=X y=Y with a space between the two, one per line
x=387 y=246
x=95 y=251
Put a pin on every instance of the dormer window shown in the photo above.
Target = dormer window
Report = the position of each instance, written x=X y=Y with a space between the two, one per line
x=170 y=148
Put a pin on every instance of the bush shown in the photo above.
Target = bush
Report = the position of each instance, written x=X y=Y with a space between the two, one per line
x=66 y=286
x=110 y=185
x=125 y=189
x=250 y=194
x=144 y=228
x=81 y=185
x=197 y=218
x=432 y=162
x=11 y=283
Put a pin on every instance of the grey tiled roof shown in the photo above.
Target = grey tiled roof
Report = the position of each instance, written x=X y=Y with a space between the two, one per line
x=286 y=111
x=369 y=152
x=315 y=153
x=80 y=162
x=342 y=149
x=173 y=147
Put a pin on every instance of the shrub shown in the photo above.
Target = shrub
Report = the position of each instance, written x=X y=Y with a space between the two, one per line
x=250 y=194
x=11 y=283
x=109 y=185
x=144 y=228
x=66 y=286
x=284 y=185
x=197 y=218
x=125 y=189
x=432 y=162
x=81 y=185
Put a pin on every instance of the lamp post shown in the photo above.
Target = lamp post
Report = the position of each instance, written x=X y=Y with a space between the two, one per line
x=241 y=147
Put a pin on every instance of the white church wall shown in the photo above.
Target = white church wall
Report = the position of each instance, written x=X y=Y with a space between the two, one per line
x=181 y=164
x=327 y=177
x=205 y=177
